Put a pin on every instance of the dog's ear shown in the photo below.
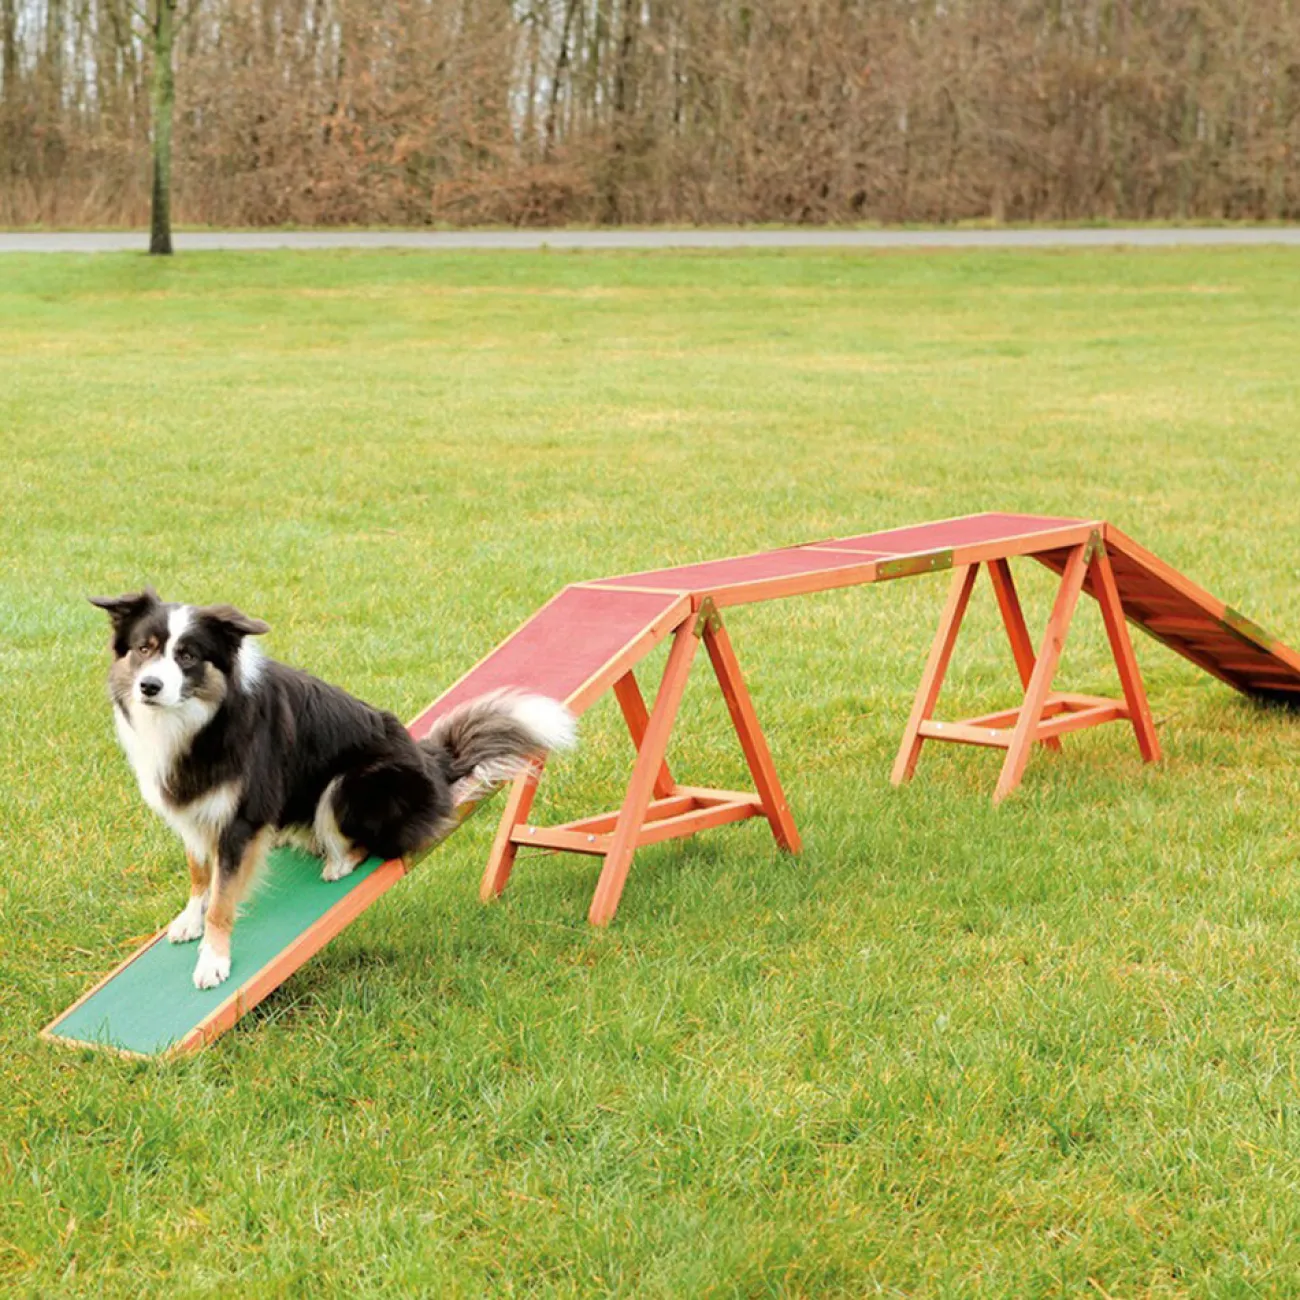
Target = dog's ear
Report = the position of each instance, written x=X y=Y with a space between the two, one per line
x=238 y=623
x=124 y=610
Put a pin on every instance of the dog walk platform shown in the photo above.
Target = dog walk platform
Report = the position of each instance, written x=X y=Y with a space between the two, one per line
x=589 y=639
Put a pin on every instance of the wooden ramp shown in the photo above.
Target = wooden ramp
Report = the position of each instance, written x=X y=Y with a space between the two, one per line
x=589 y=638
x=1191 y=622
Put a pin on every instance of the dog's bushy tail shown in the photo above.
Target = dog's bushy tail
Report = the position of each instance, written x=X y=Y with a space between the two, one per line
x=488 y=741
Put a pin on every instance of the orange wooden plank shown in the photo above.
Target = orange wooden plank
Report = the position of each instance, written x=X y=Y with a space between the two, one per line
x=936 y=667
x=629 y=656
x=560 y=840
x=1064 y=723
x=1127 y=556
x=752 y=741
x=1013 y=619
x=965 y=733
x=1055 y=704
x=501 y=858
x=606 y=821
x=988 y=527
x=623 y=840
x=572 y=648
x=1130 y=676
x=636 y=716
x=697 y=819
x=1049 y=655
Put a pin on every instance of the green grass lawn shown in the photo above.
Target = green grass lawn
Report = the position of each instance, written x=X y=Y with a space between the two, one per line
x=1048 y=1049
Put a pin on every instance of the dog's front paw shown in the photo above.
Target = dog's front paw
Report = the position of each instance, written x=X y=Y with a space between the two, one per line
x=188 y=925
x=212 y=968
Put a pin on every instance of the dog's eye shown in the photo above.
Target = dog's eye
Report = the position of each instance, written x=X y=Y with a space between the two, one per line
x=143 y=647
x=185 y=658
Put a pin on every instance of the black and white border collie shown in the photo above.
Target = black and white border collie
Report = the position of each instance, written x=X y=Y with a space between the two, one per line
x=237 y=752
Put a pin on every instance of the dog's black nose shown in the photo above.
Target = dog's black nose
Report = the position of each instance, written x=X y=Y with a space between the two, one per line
x=150 y=686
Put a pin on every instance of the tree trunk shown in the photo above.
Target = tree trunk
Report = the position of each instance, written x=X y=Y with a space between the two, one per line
x=8 y=87
x=623 y=95
x=557 y=78
x=163 y=97
x=9 y=57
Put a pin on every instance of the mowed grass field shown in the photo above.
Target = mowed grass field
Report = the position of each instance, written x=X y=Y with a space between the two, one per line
x=1044 y=1050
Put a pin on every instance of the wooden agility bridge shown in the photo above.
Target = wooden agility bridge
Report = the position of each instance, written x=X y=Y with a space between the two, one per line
x=589 y=639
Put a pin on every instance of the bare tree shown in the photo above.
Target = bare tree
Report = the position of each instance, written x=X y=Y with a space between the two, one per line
x=162 y=32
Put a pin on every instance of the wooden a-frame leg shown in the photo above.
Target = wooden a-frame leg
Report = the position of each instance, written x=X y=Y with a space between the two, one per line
x=649 y=759
x=1022 y=648
x=1040 y=680
x=501 y=860
x=1130 y=677
x=752 y=740
x=927 y=694
x=637 y=716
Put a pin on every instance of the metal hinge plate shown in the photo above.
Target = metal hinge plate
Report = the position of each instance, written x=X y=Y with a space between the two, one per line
x=910 y=565
x=708 y=619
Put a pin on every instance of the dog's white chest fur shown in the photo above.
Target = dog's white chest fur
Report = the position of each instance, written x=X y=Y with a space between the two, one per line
x=154 y=739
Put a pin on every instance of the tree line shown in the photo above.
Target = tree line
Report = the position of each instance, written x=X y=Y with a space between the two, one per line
x=547 y=111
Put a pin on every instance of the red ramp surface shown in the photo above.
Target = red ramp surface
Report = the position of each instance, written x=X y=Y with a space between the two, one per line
x=571 y=649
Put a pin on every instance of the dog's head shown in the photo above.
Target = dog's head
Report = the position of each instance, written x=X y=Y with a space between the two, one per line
x=165 y=654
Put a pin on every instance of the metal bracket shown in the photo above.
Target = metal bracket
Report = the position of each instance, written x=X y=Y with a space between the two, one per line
x=910 y=565
x=1095 y=547
x=708 y=619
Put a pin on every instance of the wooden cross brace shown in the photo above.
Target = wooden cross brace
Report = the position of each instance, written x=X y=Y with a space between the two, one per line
x=1043 y=715
x=655 y=807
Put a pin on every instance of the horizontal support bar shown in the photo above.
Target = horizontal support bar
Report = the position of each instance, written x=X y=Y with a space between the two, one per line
x=706 y=795
x=1061 y=715
x=1057 y=703
x=966 y=734
x=1075 y=701
x=689 y=809
x=677 y=802
x=561 y=840
x=1006 y=717
x=1067 y=722
x=699 y=819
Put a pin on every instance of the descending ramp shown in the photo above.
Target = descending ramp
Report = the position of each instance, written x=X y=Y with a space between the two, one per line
x=589 y=638
x=1201 y=628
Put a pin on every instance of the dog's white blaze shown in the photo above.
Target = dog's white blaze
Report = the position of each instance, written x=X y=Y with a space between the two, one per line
x=548 y=721
x=165 y=668
x=251 y=664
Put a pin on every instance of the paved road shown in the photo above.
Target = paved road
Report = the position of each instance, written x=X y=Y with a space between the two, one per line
x=435 y=241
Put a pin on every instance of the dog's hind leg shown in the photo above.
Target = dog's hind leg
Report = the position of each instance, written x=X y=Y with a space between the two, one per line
x=188 y=925
x=240 y=853
x=341 y=856
x=388 y=809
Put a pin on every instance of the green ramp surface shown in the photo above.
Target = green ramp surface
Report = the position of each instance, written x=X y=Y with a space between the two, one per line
x=150 y=1004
